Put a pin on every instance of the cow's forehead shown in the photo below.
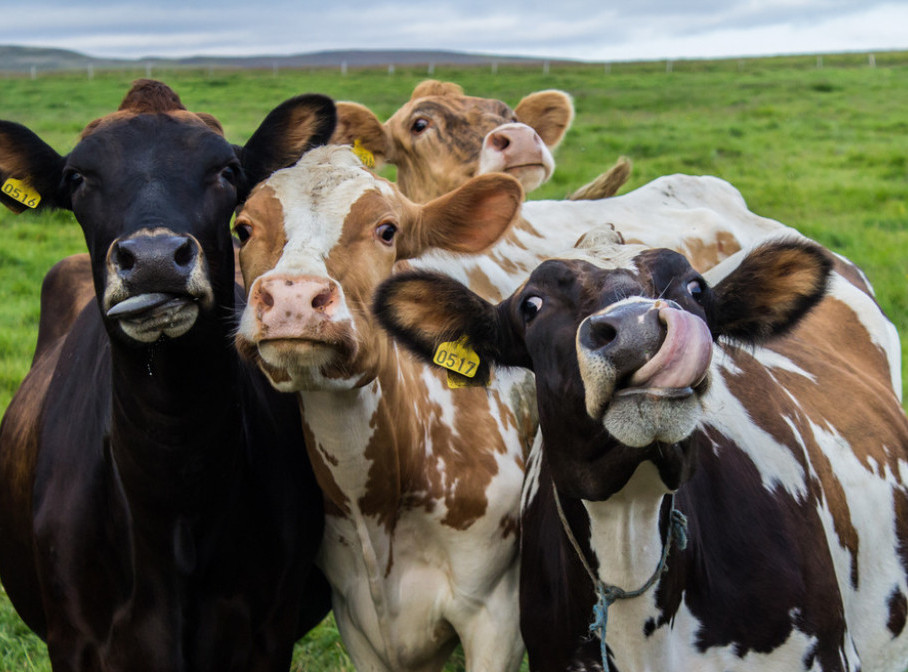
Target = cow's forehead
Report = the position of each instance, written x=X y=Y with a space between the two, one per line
x=316 y=196
x=110 y=121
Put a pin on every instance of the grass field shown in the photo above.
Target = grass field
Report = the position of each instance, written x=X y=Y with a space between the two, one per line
x=822 y=149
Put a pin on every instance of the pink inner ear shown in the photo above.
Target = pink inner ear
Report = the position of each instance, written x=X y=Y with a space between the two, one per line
x=684 y=357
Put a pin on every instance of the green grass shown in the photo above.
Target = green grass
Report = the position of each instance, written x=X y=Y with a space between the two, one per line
x=824 y=150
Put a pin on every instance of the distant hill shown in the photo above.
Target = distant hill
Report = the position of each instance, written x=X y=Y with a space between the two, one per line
x=23 y=59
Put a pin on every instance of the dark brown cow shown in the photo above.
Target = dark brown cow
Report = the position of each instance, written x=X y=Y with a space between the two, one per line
x=156 y=511
x=788 y=456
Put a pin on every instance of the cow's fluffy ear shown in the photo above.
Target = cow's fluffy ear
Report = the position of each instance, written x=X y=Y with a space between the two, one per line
x=423 y=310
x=468 y=219
x=29 y=167
x=774 y=286
x=358 y=126
x=289 y=131
x=550 y=113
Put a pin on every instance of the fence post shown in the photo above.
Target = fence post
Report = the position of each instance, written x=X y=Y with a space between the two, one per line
x=494 y=67
x=545 y=67
x=431 y=69
x=871 y=61
x=34 y=72
x=343 y=67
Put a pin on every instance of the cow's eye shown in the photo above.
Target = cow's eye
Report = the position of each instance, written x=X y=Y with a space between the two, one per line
x=695 y=288
x=530 y=307
x=386 y=232
x=74 y=179
x=243 y=231
x=231 y=174
x=419 y=125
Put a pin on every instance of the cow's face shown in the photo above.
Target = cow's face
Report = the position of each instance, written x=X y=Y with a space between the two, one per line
x=318 y=239
x=441 y=138
x=155 y=219
x=620 y=339
x=153 y=187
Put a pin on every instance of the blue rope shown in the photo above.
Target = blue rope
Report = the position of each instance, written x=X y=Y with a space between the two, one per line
x=606 y=594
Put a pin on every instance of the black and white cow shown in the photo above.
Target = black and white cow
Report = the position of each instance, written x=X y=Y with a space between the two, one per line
x=756 y=405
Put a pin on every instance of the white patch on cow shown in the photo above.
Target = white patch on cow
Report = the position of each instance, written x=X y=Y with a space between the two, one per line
x=869 y=495
x=777 y=466
x=316 y=196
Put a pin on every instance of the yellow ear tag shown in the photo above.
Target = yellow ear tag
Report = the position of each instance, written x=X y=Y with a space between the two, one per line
x=459 y=357
x=367 y=157
x=20 y=191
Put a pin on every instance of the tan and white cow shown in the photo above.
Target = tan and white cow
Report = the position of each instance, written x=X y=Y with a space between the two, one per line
x=441 y=138
x=422 y=483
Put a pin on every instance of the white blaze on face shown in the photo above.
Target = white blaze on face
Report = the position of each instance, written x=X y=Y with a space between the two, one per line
x=316 y=196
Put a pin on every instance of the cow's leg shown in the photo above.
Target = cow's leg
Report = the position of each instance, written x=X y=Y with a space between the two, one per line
x=491 y=639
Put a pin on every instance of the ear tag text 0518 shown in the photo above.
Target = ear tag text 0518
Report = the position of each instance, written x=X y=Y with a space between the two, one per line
x=22 y=192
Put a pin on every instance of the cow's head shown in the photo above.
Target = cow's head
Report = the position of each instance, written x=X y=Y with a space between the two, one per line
x=620 y=338
x=154 y=187
x=318 y=239
x=441 y=138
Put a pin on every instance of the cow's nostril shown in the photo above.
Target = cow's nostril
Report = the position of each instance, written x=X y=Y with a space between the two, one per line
x=184 y=254
x=601 y=332
x=123 y=258
x=265 y=298
x=323 y=299
x=500 y=141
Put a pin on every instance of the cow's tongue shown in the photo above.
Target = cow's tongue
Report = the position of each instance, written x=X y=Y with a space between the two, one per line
x=684 y=357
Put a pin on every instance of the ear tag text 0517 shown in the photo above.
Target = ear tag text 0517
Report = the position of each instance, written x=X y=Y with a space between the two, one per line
x=22 y=192
x=459 y=357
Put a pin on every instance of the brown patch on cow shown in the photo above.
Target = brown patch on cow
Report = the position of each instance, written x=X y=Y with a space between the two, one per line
x=149 y=96
x=479 y=282
x=263 y=213
x=509 y=525
x=434 y=87
x=418 y=460
x=898 y=612
x=846 y=361
x=703 y=256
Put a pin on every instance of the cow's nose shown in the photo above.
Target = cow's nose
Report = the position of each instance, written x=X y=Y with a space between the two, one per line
x=285 y=304
x=154 y=257
x=514 y=139
x=627 y=336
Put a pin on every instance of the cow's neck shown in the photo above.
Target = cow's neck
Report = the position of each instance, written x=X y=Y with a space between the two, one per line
x=628 y=535
x=360 y=461
x=174 y=424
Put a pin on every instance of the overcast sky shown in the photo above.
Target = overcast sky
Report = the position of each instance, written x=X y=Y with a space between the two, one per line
x=595 y=30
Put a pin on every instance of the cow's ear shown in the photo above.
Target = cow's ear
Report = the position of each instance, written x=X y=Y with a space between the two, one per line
x=550 y=113
x=468 y=219
x=359 y=127
x=427 y=311
x=769 y=292
x=289 y=131
x=31 y=171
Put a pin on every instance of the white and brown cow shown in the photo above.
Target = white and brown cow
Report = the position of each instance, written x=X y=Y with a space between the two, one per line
x=441 y=138
x=422 y=483
x=788 y=455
